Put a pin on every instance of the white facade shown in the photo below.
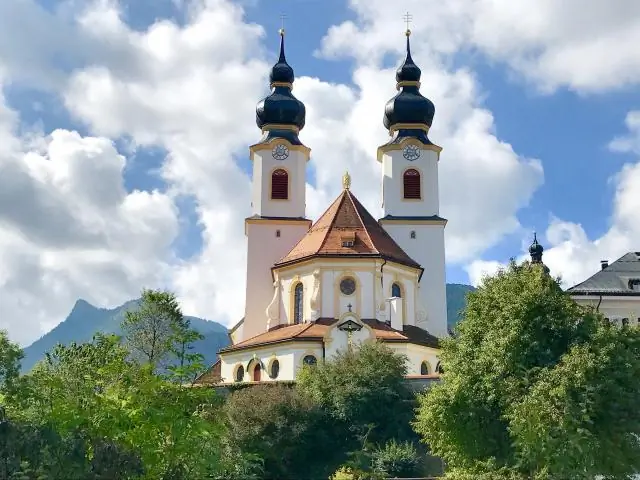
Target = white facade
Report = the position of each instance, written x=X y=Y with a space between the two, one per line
x=322 y=297
x=276 y=226
x=417 y=227
x=615 y=308
x=265 y=163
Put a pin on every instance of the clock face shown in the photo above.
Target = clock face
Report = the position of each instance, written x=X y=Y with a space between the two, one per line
x=411 y=152
x=280 y=152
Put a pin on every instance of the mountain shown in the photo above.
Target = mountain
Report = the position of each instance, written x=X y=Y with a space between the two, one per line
x=85 y=320
x=456 y=301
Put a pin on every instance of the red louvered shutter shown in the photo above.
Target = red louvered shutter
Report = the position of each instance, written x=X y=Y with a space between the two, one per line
x=412 y=184
x=279 y=185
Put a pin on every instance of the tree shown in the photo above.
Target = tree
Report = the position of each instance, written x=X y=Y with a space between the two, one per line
x=535 y=386
x=188 y=365
x=289 y=432
x=10 y=356
x=363 y=389
x=120 y=413
x=149 y=330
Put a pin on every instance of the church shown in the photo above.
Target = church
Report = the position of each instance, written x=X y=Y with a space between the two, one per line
x=317 y=288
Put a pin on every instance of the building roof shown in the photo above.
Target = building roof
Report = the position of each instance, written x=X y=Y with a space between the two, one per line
x=315 y=331
x=347 y=219
x=615 y=279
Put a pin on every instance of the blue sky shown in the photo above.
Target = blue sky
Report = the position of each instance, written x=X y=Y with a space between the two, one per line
x=529 y=105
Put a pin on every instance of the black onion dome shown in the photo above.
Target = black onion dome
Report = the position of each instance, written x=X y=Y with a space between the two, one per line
x=408 y=106
x=281 y=107
x=535 y=250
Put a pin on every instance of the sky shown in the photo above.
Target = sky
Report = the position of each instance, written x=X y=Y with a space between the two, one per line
x=125 y=126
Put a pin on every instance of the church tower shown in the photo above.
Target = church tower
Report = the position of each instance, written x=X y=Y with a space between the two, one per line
x=410 y=197
x=278 y=219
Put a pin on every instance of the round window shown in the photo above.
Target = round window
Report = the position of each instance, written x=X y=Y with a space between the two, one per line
x=348 y=286
x=274 y=369
x=240 y=374
x=309 y=360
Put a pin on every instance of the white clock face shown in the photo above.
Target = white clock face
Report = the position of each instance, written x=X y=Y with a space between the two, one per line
x=411 y=152
x=280 y=152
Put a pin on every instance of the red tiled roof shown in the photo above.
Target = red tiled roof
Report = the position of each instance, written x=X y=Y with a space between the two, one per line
x=317 y=330
x=347 y=219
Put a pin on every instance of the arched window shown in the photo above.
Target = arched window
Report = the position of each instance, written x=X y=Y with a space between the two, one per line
x=274 y=369
x=298 y=296
x=279 y=184
x=396 y=291
x=239 y=373
x=439 y=368
x=625 y=322
x=424 y=368
x=257 y=372
x=413 y=234
x=411 y=181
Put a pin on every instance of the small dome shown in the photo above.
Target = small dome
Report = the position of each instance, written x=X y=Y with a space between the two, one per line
x=408 y=71
x=409 y=105
x=280 y=107
x=281 y=71
x=535 y=249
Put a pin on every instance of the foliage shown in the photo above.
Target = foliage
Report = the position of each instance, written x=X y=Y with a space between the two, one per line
x=149 y=329
x=364 y=390
x=535 y=386
x=189 y=364
x=93 y=392
x=289 y=432
x=396 y=459
x=350 y=473
x=10 y=356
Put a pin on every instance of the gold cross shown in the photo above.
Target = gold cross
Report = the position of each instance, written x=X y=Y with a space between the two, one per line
x=282 y=18
x=407 y=18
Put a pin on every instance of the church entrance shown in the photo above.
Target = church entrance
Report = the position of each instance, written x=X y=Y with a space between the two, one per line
x=257 y=371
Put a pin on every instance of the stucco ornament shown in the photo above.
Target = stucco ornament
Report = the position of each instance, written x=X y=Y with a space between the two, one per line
x=421 y=312
x=273 y=314
x=315 y=295
x=380 y=295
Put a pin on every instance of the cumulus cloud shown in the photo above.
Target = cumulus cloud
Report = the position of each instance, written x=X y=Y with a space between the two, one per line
x=552 y=44
x=570 y=253
x=69 y=229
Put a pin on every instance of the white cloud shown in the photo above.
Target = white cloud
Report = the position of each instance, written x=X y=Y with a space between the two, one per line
x=550 y=43
x=68 y=228
x=570 y=253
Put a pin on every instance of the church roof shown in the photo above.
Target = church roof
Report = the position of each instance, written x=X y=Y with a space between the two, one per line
x=315 y=331
x=345 y=221
x=616 y=278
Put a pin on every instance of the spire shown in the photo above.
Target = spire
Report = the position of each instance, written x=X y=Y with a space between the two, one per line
x=281 y=114
x=409 y=113
x=408 y=71
x=281 y=72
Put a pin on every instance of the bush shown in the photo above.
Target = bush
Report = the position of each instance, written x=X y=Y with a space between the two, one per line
x=396 y=459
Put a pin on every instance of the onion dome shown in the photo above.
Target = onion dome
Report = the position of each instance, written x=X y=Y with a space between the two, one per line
x=409 y=113
x=535 y=250
x=281 y=114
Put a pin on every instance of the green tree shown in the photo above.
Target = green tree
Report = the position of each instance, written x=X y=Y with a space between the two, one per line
x=188 y=364
x=364 y=389
x=149 y=329
x=534 y=387
x=289 y=432
x=10 y=356
x=396 y=459
x=123 y=413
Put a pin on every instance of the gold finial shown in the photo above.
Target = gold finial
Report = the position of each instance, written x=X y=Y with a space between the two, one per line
x=281 y=31
x=346 y=181
x=407 y=18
